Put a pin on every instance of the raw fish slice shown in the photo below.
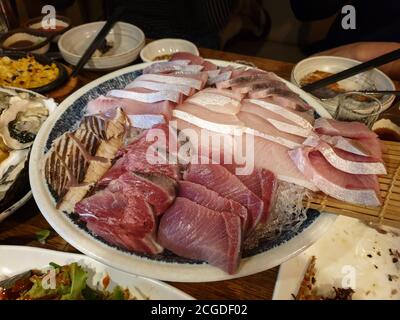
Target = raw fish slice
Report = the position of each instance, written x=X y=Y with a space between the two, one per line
x=155 y=189
x=209 y=66
x=257 y=152
x=262 y=183
x=187 y=56
x=212 y=200
x=145 y=121
x=158 y=86
x=225 y=92
x=333 y=127
x=107 y=105
x=259 y=84
x=302 y=119
x=353 y=188
x=245 y=77
x=277 y=120
x=147 y=97
x=283 y=97
x=203 y=118
x=222 y=76
x=195 y=83
x=267 y=131
x=196 y=232
x=217 y=178
x=165 y=65
x=349 y=162
x=215 y=102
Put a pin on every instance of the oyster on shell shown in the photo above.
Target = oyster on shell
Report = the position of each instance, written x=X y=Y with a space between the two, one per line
x=21 y=116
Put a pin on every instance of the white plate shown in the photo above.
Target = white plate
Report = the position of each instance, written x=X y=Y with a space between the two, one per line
x=279 y=251
x=343 y=260
x=15 y=260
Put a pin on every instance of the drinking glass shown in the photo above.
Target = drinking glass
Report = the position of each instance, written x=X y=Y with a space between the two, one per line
x=356 y=106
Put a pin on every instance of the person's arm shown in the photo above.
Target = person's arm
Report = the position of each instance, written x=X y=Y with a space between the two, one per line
x=309 y=10
x=364 y=51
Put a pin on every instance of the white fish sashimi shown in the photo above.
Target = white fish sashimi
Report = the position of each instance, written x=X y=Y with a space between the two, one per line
x=277 y=120
x=219 y=78
x=158 y=86
x=220 y=123
x=287 y=113
x=145 y=121
x=338 y=142
x=216 y=102
x=265 y=154
x=357 y=189
x=166 y=66
x=147 y=97
x=193 y=83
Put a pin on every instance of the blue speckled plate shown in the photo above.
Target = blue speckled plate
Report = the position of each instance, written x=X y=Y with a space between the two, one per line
x=167 y=266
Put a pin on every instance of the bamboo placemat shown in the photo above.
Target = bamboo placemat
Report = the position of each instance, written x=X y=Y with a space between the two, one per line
x=388 y=213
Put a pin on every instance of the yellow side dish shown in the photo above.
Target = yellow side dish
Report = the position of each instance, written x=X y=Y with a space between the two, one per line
x=26 y=73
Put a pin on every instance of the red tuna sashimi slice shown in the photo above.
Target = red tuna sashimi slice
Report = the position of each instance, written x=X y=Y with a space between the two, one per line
x=147 y=97
x=196 y=232
x=149 y=153
x=262 y=183
x=220 y=180
x=187 y=56
x=124 y=220
x=277 y=120
x=212 y=200
x=333 y=127
x=353 y=188
x=156 y=189
x=267 y=131
x=109 y=104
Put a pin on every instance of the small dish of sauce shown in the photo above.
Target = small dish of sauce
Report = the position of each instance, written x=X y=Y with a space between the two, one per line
x=21 y=44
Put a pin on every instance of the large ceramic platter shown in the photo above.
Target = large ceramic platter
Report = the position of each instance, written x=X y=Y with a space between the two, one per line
x=167 y=267
x=15 y=260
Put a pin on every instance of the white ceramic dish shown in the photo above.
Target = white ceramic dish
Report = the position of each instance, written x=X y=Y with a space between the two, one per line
x=343 y=252
x=127 y=41
x=277 y=251
x=15 y=260
x=167 y=46
x=372 y=79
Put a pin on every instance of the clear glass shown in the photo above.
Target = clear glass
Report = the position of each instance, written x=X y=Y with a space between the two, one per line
x=356 y=106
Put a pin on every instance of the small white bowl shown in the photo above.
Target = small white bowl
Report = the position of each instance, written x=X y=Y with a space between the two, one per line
x=372 y=79
x=127 y=41
x=167 y=46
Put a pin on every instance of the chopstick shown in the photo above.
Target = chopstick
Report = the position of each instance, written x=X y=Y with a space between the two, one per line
x=376 y=62
x=97 y=42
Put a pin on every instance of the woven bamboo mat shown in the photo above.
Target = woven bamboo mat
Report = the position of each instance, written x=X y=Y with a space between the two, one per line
x=389 y=212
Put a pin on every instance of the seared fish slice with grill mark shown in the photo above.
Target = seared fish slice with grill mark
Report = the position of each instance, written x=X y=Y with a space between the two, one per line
x=77 y=160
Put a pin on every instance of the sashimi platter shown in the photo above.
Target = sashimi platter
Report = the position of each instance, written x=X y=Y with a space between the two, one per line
x=196 y=170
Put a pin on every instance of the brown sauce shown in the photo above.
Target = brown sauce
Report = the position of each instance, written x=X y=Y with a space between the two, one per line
x=21 y=44
x=163 y=57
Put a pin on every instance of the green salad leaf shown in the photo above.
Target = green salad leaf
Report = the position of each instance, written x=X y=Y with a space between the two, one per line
x=78 y=278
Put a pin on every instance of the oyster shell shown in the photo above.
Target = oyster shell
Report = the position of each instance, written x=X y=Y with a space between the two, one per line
x=21 y=115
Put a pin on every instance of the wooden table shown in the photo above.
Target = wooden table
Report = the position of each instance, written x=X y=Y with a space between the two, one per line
x=20 y=228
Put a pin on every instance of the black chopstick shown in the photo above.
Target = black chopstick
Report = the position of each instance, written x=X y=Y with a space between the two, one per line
x=97 y=42
x=376 y=62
